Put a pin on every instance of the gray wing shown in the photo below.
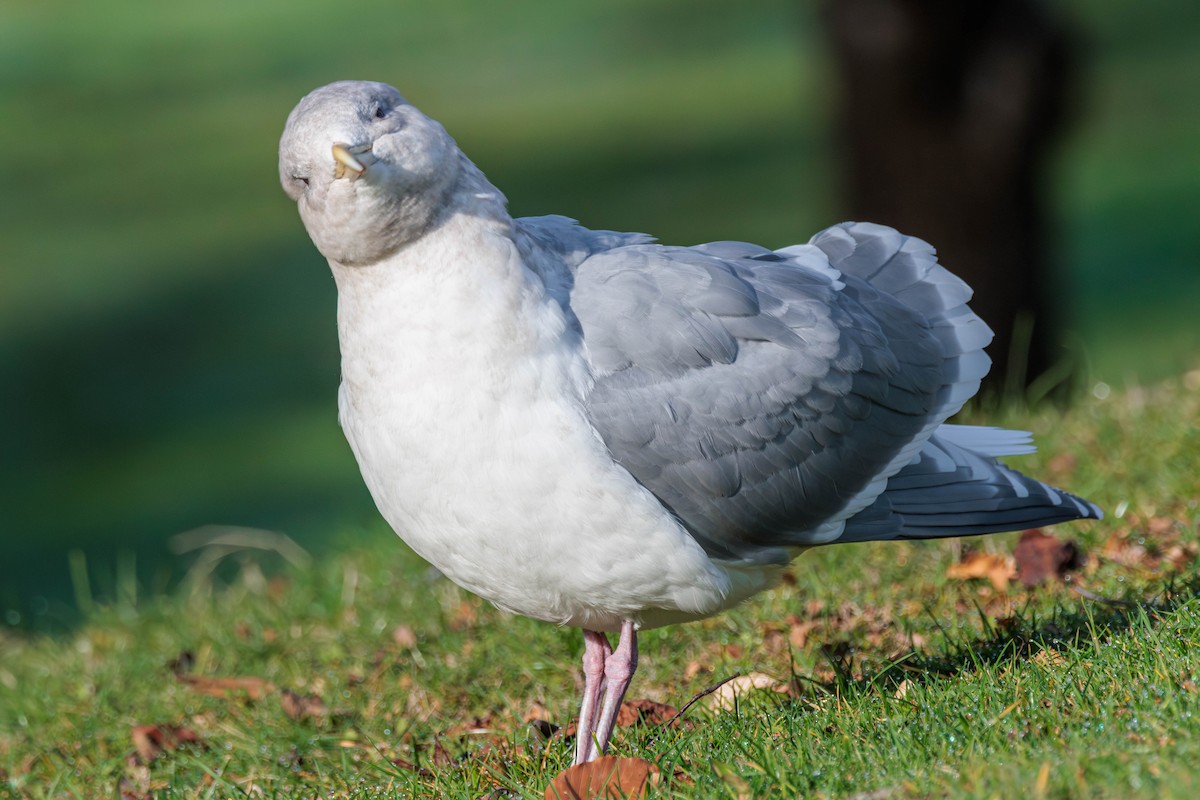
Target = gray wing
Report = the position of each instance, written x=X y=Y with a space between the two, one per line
x=956 y=488
x=765 y=396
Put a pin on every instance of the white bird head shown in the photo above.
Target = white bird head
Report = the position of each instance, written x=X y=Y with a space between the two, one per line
x=368 y=171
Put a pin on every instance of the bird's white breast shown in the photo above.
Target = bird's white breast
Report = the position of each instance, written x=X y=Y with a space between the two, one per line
x=461 y=396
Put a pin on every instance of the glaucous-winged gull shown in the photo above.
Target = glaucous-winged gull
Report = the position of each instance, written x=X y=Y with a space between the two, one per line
x=595 y=430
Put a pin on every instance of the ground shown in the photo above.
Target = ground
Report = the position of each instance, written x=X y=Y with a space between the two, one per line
x=877 y=670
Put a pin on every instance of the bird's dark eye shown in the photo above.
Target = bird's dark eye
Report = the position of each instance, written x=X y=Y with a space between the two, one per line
x=379 y=112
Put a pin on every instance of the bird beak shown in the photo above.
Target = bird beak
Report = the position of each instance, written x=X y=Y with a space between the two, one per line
x=344 y=160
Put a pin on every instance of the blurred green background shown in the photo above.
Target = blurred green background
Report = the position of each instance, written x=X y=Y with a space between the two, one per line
x=168 y=357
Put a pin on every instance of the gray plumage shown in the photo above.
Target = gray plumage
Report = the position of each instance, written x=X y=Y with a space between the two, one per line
x=781 y=399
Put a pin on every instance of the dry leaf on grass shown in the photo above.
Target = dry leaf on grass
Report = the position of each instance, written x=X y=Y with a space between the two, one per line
x=724 y=698
x=254 y=688
x=1041 y=557
x=298 y=706
x=1050 y=658
x=645 y=712
x=151 y=741
x=979 y=564
x=404 y=637
x=606 y=778
x=799 y=629
x=463 y=617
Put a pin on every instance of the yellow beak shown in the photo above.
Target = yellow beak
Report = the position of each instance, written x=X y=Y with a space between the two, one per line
x=344 y=160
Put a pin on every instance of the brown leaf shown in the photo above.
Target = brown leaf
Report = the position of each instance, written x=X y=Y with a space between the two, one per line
x=1041 y=557
x=463 y=617
x=254 y=688
x=544 y=728
x=1159 y=526
x=798 y=631
x=646 y=712
x=441 y=756
x=151 y=741
x=302 y=706
x=979 y=564
x=607 y=777
x=1050 y=658
x=403 y=636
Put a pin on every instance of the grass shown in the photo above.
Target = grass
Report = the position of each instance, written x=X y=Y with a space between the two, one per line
x=894 y=681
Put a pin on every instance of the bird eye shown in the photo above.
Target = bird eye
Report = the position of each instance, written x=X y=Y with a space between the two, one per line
x=379 y=111
x=300 y=179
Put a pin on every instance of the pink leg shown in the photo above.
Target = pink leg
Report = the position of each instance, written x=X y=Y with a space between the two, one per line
x=618 y=672
x=596 y=651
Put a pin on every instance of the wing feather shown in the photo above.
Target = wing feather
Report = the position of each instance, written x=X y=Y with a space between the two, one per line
x=768 y=397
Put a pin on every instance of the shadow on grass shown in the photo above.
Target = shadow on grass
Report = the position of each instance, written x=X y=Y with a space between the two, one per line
x=1015 y=638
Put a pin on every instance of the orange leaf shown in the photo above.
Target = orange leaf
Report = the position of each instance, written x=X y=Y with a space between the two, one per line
x=255 y=688
x=403 y=636
x=607 y=778
x=151 y=741
x=1041 y=557
x=302 y=706
x=646 y=712
x=978 y=564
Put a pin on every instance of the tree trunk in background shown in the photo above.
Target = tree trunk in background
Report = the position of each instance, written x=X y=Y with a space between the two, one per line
x=948 y=110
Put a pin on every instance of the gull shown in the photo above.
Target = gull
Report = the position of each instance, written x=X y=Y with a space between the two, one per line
x=592 y=429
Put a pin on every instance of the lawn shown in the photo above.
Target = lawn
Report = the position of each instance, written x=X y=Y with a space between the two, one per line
x=168 y=361
x=369 y=675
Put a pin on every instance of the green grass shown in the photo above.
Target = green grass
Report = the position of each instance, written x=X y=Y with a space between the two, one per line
x=907 y=684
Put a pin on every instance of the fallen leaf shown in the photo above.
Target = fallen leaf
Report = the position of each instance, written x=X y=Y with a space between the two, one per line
x=979 y=564
x=798 y=630
x=1159 y=526
x=463 y=617
x=298 y=706
x=403 y=636
x=254 y=688
x=645 y=712
x=1060 y=468
x=724 y=698
x=1041 y=557
x=544 y=728
x=607 y=777
x=1181 y=555
x=1050 y=658
x=151 y=741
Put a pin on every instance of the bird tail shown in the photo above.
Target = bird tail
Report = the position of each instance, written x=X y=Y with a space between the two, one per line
x=956 y=487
